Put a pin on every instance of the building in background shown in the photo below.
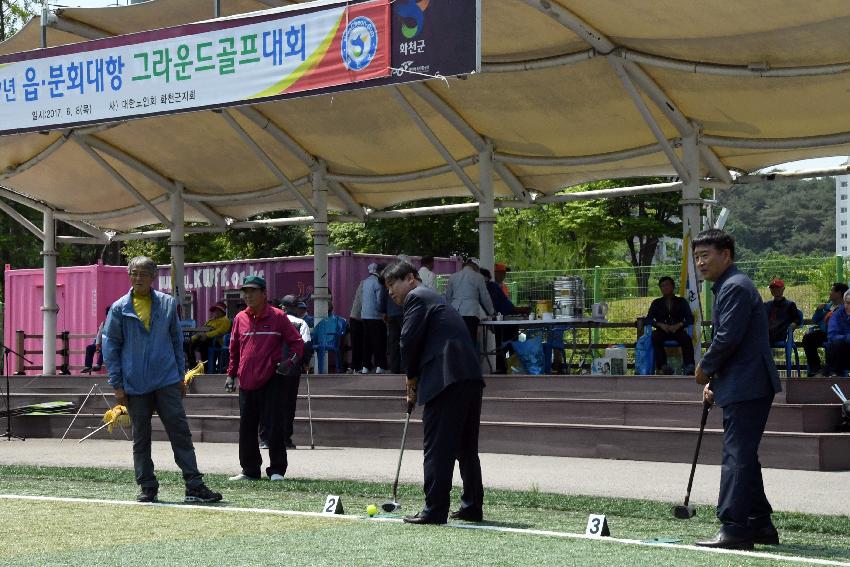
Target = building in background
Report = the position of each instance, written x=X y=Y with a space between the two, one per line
x=842 y=216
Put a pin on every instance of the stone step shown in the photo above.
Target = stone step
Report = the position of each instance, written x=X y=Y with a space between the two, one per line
x=809 y=418
x=787 y=450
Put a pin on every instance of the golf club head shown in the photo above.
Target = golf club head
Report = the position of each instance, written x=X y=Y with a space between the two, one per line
x=684 y=512
x=390 y=507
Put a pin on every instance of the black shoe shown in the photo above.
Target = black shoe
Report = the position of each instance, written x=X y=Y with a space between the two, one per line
x=467 y=515
x=766 y=536
x=264 y=444
x=724 y=540
x=419 y=518
x=290 y=444
x=147 y=494
x=201 y=494
x=96 y=368
x=85 y=370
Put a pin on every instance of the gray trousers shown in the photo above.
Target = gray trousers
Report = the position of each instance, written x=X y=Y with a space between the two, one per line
x=168 y=403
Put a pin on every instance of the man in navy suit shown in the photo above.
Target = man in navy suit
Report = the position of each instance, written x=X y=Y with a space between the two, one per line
x=441 y=363
x=743 y=381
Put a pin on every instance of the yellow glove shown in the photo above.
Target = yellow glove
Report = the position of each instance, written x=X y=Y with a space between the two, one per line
x=198 y=369
x=118 y=415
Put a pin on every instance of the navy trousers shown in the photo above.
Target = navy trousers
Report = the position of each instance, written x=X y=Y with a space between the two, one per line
x=451 y=422
x=742 y=505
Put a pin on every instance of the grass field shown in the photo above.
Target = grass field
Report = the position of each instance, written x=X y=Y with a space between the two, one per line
x=71 y=533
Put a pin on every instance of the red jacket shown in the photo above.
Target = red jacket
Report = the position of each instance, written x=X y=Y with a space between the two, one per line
x=256 y=345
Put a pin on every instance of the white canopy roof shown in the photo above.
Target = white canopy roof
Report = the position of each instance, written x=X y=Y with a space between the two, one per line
x=570 y=91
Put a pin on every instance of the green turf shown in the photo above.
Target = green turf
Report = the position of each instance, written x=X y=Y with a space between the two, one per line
x=50 y=533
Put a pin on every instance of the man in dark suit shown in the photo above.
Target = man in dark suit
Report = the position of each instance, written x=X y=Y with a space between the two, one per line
x=441 y=363
x=744 y=380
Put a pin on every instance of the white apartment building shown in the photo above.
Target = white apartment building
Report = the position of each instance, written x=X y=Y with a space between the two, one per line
x=842 y=216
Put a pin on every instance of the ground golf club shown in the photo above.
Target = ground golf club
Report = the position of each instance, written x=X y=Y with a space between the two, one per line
x=393 y=505
x=686 y=511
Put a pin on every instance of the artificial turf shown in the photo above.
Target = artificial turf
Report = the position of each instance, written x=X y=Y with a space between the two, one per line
x=58 y=533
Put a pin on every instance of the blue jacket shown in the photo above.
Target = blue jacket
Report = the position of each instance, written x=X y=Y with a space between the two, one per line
x=138 y=360
x=839 y=326
x=739 y=360
x=373 y=299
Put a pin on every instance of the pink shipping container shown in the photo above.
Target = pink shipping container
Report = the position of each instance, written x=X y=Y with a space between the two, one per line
x=84 y=292
x=209 y=282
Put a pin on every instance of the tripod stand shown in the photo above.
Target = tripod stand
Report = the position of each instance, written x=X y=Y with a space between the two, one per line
x=6 y=352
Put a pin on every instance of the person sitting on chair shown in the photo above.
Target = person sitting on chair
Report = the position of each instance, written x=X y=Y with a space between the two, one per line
x=94 y=347
x=670 y=315
x=816 y=336
x=219 y=325
x=781 y=313
x=838 y=349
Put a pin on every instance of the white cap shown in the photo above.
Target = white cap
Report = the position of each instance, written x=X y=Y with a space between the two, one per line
x=373 y=268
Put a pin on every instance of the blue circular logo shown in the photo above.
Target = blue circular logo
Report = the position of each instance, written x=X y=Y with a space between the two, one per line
x=359 y=43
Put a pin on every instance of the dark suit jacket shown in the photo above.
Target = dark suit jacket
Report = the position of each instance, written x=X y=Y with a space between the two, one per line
x=436 y=346
x=739 y=360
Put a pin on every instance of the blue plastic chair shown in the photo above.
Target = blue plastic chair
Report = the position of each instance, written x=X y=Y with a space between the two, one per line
x=789 y=347
x=218 y=355
x=647 y=330
x=327 y=335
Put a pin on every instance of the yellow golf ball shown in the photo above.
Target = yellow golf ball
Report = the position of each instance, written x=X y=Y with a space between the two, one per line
x=371 y=509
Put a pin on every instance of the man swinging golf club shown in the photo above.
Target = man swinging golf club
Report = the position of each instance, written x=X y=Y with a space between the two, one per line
x=441 y=363
x=744 y=380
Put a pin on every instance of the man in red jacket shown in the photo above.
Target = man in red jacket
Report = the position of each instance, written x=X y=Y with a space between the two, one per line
x=263 y=347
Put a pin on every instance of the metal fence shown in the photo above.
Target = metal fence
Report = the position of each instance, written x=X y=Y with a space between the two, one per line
x=807 y=283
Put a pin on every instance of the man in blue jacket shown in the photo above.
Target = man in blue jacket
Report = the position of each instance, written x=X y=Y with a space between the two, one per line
x=744 y=380
x=143 y=351
x=443 y=374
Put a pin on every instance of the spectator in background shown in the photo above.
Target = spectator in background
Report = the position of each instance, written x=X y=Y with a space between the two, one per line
x=219 y=326
x=670 y=315
x=838 y=349
x=817 y=335
x=373 y=313
x=781 y=313
x=466 y=291
x=143 y=350
x=356 y=330
x=500 y=271
x=95 y=347
x=426 y=273
x=300 y=311
x=505 y=307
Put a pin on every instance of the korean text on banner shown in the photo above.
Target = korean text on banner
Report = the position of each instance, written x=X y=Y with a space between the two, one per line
x=690 y=289
x=207 y=64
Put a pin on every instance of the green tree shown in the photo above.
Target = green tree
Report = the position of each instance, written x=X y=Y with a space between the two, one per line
x=13 y=15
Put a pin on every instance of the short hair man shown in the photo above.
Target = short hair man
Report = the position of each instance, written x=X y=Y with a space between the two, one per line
x=264 y=347
x=669 y=316
x=816 y=337
x=782 y=313
x=143 y=351
x=744 y=380
x=466 y=291
x=443 y=374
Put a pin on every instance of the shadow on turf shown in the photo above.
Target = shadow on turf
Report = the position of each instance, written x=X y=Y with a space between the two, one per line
x=817 y=551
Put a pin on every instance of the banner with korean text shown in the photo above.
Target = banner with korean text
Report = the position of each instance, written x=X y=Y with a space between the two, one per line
x=263 y=56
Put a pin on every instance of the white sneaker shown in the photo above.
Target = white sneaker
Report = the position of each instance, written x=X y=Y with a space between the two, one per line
x=276 y=477
x=242 y=476
x=364 y=370
x=379 y=370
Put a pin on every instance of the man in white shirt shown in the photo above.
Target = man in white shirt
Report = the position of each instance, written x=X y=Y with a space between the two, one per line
x=426 y=272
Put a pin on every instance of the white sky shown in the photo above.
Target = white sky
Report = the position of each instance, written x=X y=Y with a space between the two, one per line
x=820 y=163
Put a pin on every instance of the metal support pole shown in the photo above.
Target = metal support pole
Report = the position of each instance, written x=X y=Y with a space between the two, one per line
x=691 y=201
x=177 y=244
x=49 y=309
x=321 y=297
x=217 y=8
x=597 y=298
x=486 y=215
x=839 y=268
x=45 y=14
